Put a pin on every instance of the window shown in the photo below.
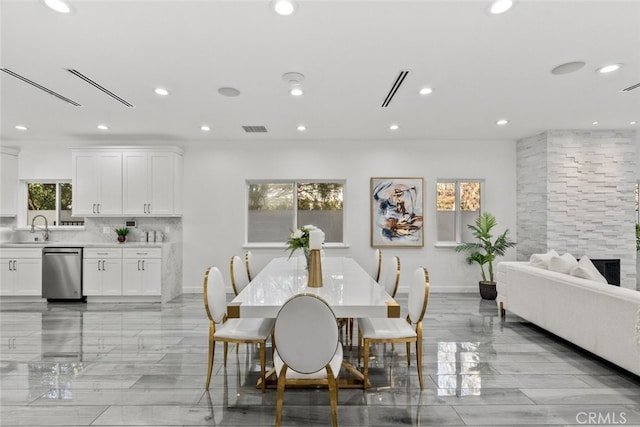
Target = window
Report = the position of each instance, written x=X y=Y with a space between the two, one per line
x=52 y=200
x=275 y=208
x=458 y=204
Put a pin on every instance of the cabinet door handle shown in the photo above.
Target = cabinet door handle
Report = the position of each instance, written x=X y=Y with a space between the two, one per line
x=98 y=265
x=142 y=265
x=149 y=208
x=138 y=265
x=94 y=208
x=15 y=265
x=104 y=268
x=99 y=207
x=10 y=269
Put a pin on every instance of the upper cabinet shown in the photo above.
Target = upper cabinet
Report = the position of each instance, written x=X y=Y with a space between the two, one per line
x=137 y=181
x=8 y=181
x=152 y=183
x=97 y=183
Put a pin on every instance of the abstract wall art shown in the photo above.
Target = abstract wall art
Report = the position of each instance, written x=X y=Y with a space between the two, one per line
x=397 y=206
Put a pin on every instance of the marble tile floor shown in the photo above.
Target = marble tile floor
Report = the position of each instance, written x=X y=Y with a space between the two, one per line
x=70 y=364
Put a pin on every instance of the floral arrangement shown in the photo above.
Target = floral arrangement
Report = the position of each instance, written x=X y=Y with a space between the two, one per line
x=299 y=238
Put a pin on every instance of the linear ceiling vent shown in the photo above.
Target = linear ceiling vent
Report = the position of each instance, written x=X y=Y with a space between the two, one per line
x=394 y=88
x=253 y=129
x=39 y=86
x=99 y=87
x=630 y=88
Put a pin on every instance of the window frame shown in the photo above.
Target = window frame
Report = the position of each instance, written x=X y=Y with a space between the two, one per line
x=23 y=196
x=457 y=212
x=279 y=244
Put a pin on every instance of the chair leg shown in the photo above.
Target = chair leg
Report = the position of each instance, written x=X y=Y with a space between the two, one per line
x=212 y=348
x=408 y=353
x=226 y=347
x=419 y=359
x=359 y=344
x=351 y=322
x=282 y=379
x=333 y=395
x=263 y=363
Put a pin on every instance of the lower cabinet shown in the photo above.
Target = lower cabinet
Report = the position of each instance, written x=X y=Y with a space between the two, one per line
x=142 y=271
x=21 y=272
x=102 y=272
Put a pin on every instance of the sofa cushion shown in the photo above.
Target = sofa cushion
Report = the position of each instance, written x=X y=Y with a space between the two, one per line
x=542 y=260
x=562 y=263
x=586 y=270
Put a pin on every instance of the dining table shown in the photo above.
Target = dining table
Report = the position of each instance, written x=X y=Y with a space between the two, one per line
x=347 y=287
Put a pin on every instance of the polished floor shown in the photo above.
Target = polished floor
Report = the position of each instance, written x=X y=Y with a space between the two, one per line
x=70 y=364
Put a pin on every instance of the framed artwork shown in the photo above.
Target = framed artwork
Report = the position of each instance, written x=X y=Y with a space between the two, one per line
x=397 y=206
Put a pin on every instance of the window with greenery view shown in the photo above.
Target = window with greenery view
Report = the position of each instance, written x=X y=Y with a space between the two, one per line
x=458 y=203
x=53 y=200
x=275 y=208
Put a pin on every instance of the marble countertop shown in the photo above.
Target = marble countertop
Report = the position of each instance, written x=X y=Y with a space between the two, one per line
x=40 y=244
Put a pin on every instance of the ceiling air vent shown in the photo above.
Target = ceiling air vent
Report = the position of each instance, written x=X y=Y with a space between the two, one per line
x=630 y=88
x=39 y=86
x=253 y=129
x=394 y=88
x=99 y=87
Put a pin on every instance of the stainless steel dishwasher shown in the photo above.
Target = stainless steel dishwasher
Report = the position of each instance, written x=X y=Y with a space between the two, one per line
x=62 y=273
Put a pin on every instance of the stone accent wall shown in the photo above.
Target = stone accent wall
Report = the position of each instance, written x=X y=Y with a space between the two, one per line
x=589 y=196
x=531 y=190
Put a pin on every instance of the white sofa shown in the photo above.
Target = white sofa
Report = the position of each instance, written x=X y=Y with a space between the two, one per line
x=600 y=318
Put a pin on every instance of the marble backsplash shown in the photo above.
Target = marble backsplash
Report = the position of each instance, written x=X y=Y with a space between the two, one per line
x=101 y=230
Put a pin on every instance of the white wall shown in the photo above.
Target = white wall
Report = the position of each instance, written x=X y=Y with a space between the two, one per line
x=214 y=197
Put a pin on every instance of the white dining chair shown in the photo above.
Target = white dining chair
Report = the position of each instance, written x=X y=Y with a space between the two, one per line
x=249 y=263
x=238 y=331
x=238 y=273
x=397 y=330
x=390 y=275
x=307 y=349
x=377 y=264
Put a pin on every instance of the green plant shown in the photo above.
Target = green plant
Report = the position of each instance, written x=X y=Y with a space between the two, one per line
x=122 y=231
x=485 y=251
x=637 y=237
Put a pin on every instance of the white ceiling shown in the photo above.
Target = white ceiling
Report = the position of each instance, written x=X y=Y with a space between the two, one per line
x=482 y=68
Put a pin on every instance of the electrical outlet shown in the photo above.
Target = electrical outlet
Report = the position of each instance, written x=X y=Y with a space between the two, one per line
x=106 y=230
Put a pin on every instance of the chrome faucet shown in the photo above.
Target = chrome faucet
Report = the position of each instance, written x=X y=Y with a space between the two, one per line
x=45 y=234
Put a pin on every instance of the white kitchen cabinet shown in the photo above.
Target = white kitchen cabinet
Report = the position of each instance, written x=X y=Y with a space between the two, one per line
x=152 y=182
x=102 y=272
x=142 y=272
x=21 y=272
x=97 y=182
x=8 y=181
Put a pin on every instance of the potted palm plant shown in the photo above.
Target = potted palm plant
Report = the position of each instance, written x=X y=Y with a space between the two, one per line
x=122 y=234
x=485 y=251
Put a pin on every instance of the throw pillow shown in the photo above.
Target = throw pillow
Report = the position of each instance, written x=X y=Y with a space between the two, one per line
x=586 y=270
x=563 y=263
x=542 y=260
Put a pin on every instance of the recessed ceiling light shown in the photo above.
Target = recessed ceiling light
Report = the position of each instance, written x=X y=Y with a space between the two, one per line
x=58 y=5
x=502 y=122
x=302 y=128
x=103 y=127
x=228 y=91
x=594 y=123
x=394 y=127
x=161 y=91
x=569 y=67
x=284 y=7
x=425 y=91
x=296 y=91
x=608 y=68
x=500 y=6
x=633 y=123
x=205 y=128
x=21 y=127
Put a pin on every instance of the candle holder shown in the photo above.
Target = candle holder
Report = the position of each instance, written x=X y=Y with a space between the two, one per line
x=315 y=269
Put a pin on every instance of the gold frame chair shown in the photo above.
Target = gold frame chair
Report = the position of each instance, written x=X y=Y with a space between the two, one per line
x=238 y=274
x=307 y=349
x=395 y=330
x=238 y=331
